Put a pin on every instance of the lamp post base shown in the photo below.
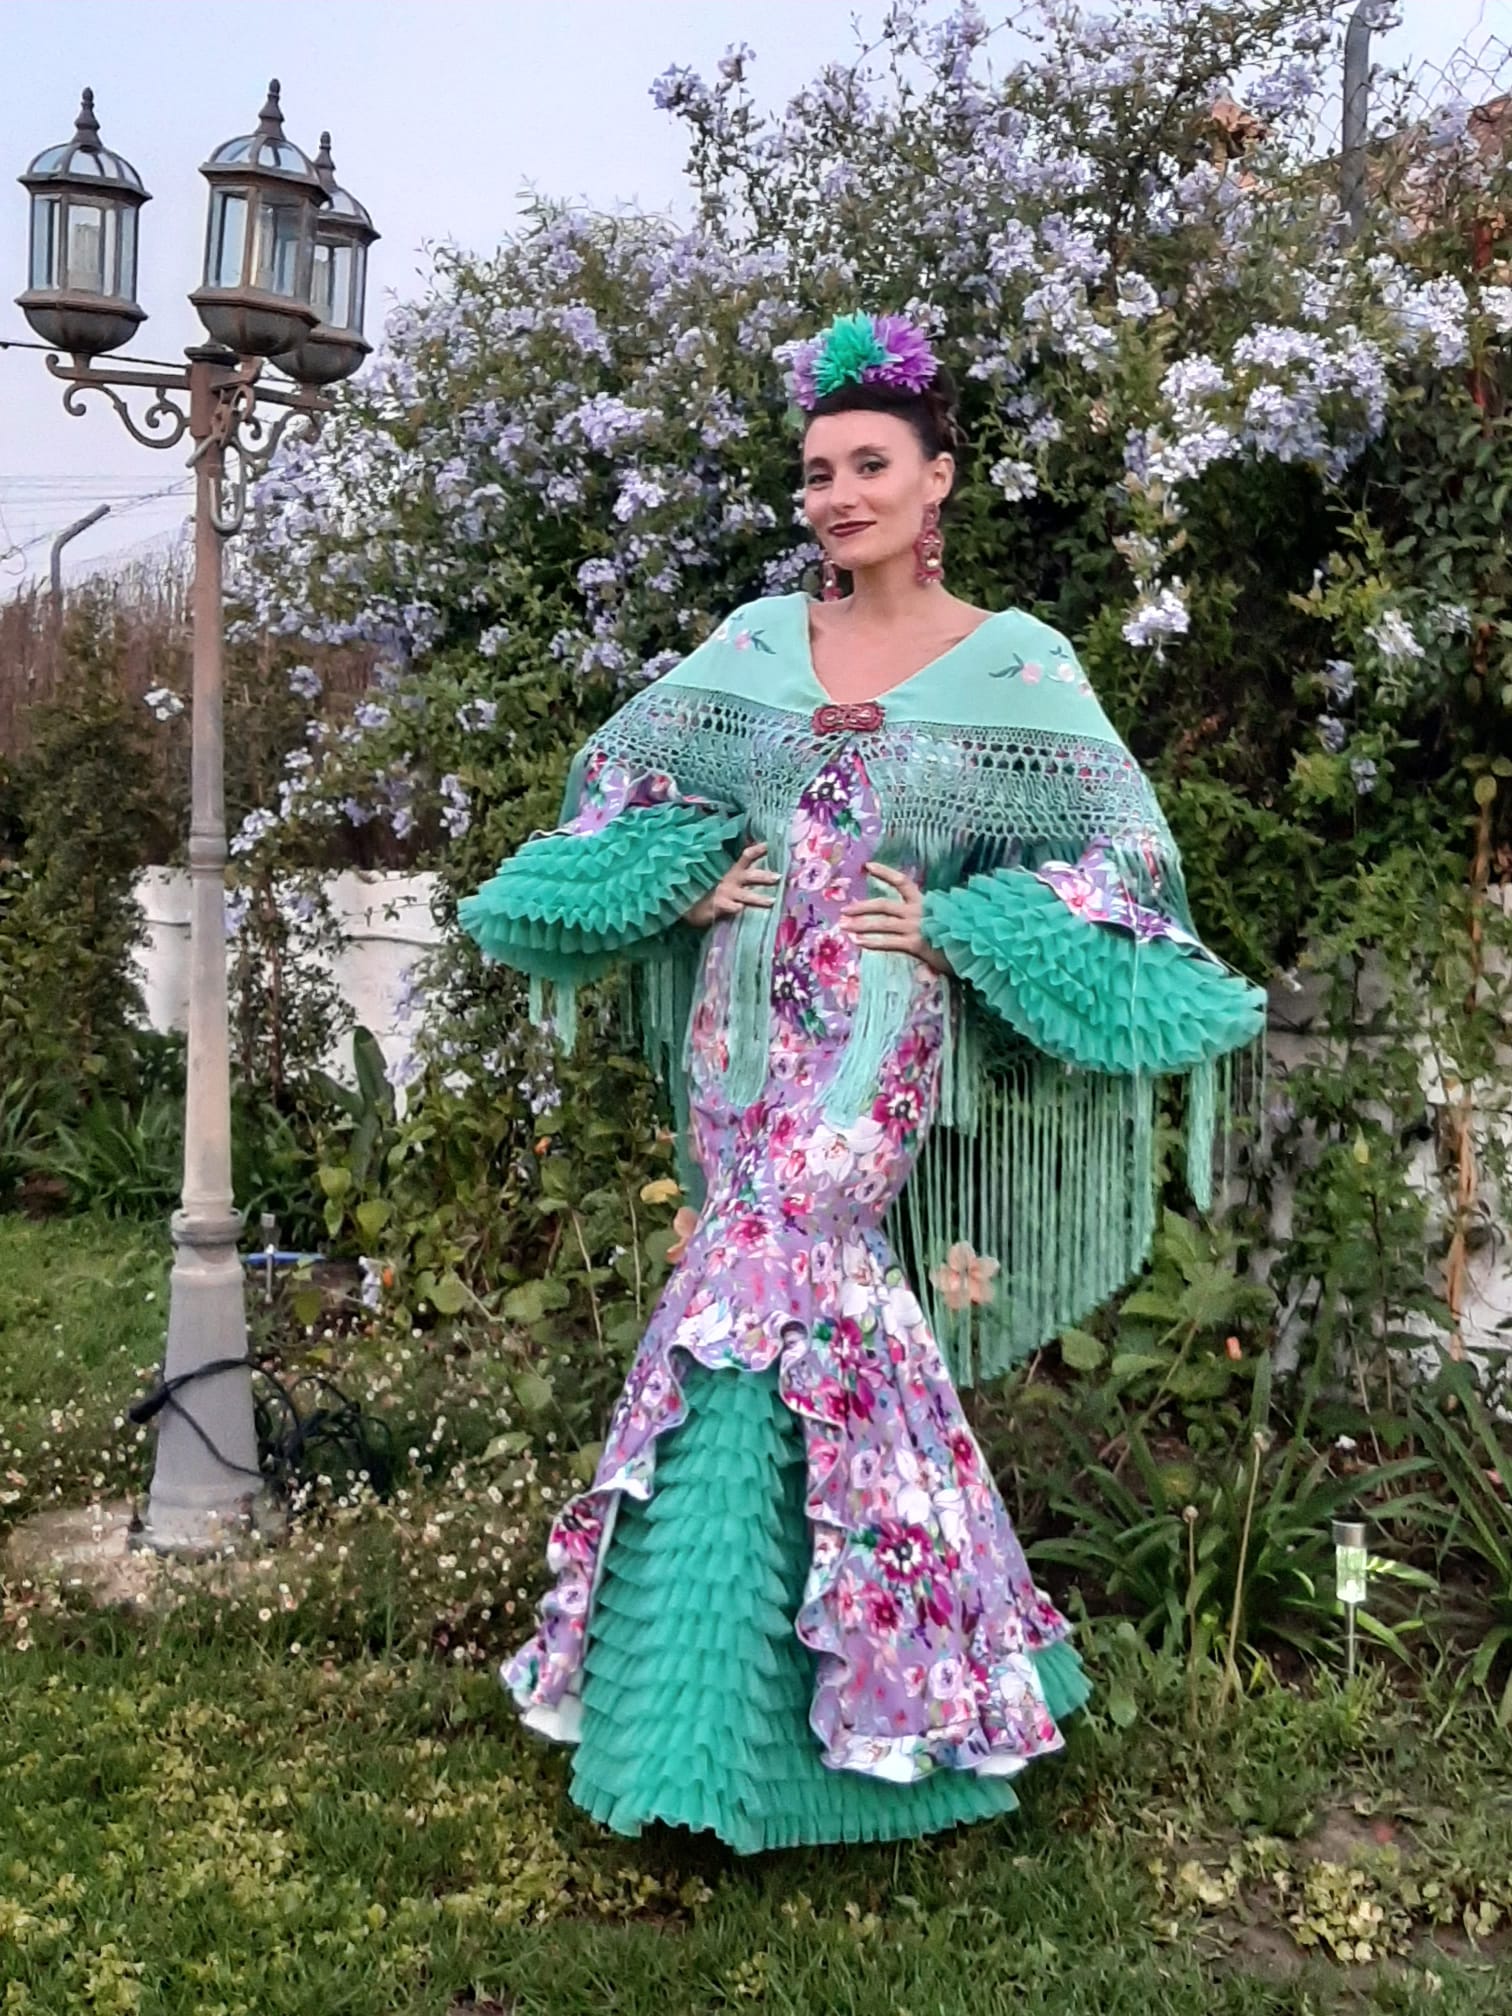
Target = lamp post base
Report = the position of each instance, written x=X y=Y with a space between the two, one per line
x=208 y=1493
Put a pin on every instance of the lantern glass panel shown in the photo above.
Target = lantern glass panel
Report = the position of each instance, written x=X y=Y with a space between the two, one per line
x=339 y=314
x=228 y=239
x=91 y=247
x=127 y=272
x=321 y=280
x=359 y=287
x=280 y=243
x=44 y=244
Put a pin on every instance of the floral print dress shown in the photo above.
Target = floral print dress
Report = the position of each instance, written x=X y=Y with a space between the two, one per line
x=919 y=1606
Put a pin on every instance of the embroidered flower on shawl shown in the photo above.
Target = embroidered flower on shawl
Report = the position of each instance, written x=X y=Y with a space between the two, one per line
x=965 y=1276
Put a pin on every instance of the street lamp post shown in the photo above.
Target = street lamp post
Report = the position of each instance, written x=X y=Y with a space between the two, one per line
x=255 y=301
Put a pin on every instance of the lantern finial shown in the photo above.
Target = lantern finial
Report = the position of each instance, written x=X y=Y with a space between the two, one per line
x=325 y=166
x=270 y=120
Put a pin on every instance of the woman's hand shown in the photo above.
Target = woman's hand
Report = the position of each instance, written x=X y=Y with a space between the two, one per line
x=742 y=888
x=892 y=923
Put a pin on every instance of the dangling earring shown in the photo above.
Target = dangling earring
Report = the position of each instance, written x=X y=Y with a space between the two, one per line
x=929 y=549
x=829 y=581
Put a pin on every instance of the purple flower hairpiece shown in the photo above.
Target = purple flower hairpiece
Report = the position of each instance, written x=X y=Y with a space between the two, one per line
x=863 y=350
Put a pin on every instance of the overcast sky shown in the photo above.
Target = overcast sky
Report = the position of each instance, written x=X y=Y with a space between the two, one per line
x=442 y=112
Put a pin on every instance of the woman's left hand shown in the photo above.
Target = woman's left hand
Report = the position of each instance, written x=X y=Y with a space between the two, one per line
x=892 y=923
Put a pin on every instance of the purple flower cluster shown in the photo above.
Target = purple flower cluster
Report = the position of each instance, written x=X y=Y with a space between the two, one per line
x=599 y=388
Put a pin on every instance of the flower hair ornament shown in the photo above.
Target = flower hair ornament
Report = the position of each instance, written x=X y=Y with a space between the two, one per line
x=862 y=350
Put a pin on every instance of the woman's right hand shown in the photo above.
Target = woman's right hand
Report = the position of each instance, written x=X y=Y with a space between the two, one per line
x=744 y=887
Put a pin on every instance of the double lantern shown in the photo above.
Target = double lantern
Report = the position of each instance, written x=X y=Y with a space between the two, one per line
x=285 y=250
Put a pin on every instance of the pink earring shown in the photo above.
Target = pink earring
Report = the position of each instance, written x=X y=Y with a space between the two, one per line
x=929 y=550
x=829 y=581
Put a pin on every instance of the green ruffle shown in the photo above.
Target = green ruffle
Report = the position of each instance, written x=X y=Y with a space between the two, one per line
x=697 y=1690
x=1090 y=994
x=568 y=904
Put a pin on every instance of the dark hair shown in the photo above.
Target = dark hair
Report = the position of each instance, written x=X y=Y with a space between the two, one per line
x=931 y=413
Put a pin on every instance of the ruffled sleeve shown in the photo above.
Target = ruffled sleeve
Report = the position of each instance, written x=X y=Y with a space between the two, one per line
x=610 y=883
x=1071 y=959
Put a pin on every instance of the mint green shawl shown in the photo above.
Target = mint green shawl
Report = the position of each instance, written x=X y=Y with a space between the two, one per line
x=989 y=763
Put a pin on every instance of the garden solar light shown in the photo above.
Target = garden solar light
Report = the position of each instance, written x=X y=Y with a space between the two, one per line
x=1351 y=1579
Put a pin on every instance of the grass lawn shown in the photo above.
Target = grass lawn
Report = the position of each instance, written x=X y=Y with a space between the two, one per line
x=284 y=1800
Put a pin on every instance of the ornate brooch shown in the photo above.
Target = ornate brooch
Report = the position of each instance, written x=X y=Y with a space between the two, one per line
x=860 y=719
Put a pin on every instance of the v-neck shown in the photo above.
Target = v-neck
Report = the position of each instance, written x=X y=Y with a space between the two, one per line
x=805 y=603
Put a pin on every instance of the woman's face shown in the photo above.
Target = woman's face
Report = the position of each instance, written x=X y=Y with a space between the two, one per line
x=867 y=484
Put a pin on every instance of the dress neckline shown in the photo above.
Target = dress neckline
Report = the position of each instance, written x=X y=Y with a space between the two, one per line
x=805 y=604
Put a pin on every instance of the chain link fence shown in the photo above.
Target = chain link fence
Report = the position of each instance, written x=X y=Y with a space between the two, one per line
x=1425 y=142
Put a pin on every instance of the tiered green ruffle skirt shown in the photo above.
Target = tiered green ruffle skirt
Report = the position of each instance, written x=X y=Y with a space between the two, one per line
x=696 y=1691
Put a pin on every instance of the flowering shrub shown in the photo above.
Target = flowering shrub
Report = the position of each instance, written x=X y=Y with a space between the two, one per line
x=86 y=812
x=1253 y=464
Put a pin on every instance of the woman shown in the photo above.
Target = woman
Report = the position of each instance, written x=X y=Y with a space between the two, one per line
x=909 y=938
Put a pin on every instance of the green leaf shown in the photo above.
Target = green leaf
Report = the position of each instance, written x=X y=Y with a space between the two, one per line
x=1129 y=1364
x=372 y=1075
x=372 y=1215
x=533 y=1299
x=1081 y=1351
x=1150 y=1302
x=585 y=1461
x=533 y=1390
x=307 y=1305
x=335 y=1182
x=625 y=1330
x=450 y=1294
x=511 y=1443
x=1123 y=1709
x=1179 y=1237
x=1201 y=1379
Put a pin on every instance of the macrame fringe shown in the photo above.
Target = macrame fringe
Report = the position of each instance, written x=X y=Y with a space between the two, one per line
x=1201 y=1130
x=882 y=1005
x=657 y=1005
x=960 y=1066
x=1056 y=1183
x=750 y=1016
x=558 y=1014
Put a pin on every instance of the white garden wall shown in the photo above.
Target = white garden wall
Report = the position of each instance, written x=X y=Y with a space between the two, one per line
x=385 y=921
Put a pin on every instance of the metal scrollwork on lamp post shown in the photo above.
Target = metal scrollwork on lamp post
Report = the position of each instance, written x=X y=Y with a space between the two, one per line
x=255 y=301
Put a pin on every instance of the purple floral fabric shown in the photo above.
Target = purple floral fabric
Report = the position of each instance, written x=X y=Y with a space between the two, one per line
x=1094 y=889
x=919 y=1603
x=609 y=788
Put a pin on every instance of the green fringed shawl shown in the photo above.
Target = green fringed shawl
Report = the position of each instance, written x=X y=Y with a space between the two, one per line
x=992 y=761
